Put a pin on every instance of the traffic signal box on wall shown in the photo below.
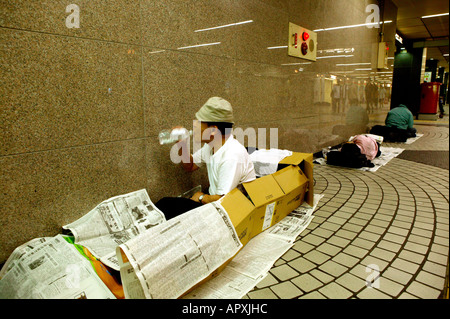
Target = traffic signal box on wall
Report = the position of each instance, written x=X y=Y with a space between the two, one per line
x=302 y=43
x=383 y=55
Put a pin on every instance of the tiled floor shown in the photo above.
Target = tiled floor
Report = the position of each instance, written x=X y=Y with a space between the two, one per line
x=382 y=234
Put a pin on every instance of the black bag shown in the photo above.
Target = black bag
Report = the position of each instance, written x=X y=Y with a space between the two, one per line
x=391 y=134
x=349 y=156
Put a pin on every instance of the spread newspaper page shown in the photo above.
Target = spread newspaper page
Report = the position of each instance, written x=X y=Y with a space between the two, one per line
x=50 y=268
x=169 y=259
x=114 y=222
x=253 y=262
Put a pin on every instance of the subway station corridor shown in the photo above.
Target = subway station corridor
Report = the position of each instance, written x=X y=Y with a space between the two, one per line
x=88 y=88
x=391 y=225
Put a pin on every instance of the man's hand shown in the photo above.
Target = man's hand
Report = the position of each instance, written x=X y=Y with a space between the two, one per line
x=186 y=159
x=196 y=196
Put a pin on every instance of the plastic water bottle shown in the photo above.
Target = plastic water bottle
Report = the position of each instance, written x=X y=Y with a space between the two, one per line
x=173 y=136
x=325 y=151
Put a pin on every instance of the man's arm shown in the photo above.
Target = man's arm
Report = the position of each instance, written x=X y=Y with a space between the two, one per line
x=411 y=121
x=186 y=162
x=189 y=166
x=206 y=198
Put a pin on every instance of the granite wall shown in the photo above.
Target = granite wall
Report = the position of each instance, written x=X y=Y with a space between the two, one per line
x=81 y=108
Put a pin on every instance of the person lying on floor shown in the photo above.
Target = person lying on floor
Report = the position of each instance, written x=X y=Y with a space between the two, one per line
x=399 y=125
x=357 y=153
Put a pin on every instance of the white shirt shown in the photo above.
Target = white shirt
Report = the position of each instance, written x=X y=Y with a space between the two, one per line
x=227 y=168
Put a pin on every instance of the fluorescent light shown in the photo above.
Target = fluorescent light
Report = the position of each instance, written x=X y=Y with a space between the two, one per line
x=297 y=63
x=335 y=56
x=346 y=50
x=369 y=69
x=160 y=51
x=435 y=15
x=279 y=47
x=352 y=64
x=225 y=26
x=199 y=45
x=446 y=54
x=352 y=26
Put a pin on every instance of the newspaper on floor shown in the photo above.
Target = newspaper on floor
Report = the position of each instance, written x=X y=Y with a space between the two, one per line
x=245 y=271
x=51 y=269
x=254 y=261
x=387 y=154
x=114 y=222
x=380 y=139
x=20 y=251
x=171 y=258
x=290 y=227
x=413 y=139
x=230 y=284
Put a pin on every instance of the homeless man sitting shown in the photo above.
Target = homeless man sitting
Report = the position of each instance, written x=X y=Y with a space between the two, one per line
x=227 y=161
x=398 y=125
x=357 y=153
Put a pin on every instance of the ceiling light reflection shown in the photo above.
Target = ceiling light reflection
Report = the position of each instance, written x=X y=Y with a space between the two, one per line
x=225 y=26
x=199 y=45
x=299 y=63
x=278 y=47
x=435 y=15
x=353 y=26
x=352 y=64
x=335 y=56
x=160 y=51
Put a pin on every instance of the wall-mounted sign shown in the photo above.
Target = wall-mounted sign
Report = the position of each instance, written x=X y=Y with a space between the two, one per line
x=427 y=77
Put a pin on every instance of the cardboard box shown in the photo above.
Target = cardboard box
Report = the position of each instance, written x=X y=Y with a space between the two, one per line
x=263 y=193
x=294 y=184
x=305 y=162
x=267 y=200
x=240 y=210
x=264 y=202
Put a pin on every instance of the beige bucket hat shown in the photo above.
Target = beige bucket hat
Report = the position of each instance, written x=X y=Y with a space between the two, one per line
x=216 y=109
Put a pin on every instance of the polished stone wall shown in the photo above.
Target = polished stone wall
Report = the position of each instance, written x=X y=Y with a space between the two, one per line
x=81 y=108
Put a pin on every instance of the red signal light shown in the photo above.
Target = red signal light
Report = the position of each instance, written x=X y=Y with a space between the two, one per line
x=304 y=48
x=305 y=36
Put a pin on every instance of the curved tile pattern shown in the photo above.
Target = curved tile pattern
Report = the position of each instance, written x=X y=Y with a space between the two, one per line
x=395 y=221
